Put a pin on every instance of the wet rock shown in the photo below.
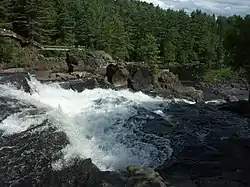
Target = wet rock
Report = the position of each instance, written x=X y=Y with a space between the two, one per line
x=117 y=75
x=133 y=77
x=217 y=182
x=23 y=161
x=71 y=62
x=241 y=108
x=95 y=60
x=120 y=77
x=189 y=93
x=204 y=140
x=168 y=79
x=78 y=172
x=86 y=83
x=110 y=71
x=19 y=80
x=63 y=76
x=78 y=74
x=144 y=177
x=42 y=73
x=232 y=99
x=187 y=183
x=140 y=79
x=15 y=70
x=235 y=86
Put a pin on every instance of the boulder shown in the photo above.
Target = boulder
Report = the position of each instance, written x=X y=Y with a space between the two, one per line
x=86 y=83
x=110 y=71
x=71 y=61
x=95 y=60
x=78 y=74
x=236 y=86
x=144 y=177
x=140 y=79
x=231 y=98
x=189 y=93
x=168 y=79
x=103 y=55
x=117 y=75
x=134 y=77
x=170 y=83
x=120 y=78
x=91 y=64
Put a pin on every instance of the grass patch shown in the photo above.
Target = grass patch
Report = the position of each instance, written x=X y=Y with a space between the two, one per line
x=217 y=75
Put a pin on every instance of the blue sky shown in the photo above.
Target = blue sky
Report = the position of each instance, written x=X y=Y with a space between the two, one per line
x=219 y=7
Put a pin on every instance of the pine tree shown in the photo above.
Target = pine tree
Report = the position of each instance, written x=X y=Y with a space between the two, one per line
x=148 y=52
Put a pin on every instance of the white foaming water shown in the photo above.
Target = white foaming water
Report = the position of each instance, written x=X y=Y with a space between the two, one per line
x=95 y=121
x=20 y=122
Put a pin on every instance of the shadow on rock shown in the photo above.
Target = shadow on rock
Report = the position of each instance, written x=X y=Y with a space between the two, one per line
x=241 y=108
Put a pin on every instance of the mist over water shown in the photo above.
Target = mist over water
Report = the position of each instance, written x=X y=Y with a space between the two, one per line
x=104 y=125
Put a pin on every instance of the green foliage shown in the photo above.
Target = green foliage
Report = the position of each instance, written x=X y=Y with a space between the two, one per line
x=14 y=56
x=148 y=51
x=79 y=53
x=217 y=75
x=5 y=51
x=53 y=53
x=133 y=31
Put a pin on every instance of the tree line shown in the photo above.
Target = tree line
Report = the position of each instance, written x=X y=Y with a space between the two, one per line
x=134 y=31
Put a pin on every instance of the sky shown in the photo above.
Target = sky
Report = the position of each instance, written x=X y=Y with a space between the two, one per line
x=219 y=7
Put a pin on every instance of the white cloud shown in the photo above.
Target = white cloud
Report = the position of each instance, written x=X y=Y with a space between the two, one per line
x=224 y=7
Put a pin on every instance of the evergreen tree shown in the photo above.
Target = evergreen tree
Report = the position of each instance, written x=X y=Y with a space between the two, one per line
x=148 y=52
x=134 y=30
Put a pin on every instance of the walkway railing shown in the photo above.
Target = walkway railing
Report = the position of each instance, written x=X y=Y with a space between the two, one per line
x=11 y=34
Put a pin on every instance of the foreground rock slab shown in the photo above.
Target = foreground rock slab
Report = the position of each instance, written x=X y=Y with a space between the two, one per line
x=18 y=79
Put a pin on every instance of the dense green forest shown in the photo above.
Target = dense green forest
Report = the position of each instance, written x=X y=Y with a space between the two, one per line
x=134 y=31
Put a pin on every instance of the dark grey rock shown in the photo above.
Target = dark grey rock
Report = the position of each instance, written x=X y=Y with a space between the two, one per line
x=140 y=79
x=232 y=99
x=120 y=77
x=18 y=79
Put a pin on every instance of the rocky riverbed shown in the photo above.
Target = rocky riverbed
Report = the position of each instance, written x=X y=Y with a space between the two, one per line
x=53 y=136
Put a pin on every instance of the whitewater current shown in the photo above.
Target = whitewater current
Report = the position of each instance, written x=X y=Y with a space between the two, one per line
x=101 y=124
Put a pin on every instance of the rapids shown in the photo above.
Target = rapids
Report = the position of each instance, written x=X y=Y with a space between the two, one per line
x=101 y=124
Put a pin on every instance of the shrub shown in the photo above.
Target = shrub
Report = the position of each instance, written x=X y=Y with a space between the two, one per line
x=217 y=75
x=5 y=51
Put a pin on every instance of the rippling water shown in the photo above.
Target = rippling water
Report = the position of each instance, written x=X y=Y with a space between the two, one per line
x=103 y=125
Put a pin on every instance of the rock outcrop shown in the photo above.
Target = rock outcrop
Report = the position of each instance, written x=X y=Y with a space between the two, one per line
x=168 y=80
x=18 y=79
x=232 y=89
x=133 y=77
x=140 y=78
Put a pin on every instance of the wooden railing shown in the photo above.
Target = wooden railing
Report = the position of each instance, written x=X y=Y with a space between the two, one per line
x=11 y=34
x=61 y=48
